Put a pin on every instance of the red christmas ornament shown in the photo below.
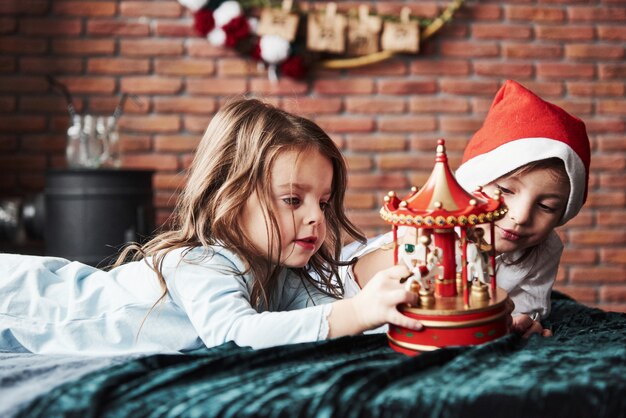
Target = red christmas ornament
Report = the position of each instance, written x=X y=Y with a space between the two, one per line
x=203 y=21
x=235 y=30
x=294 y=67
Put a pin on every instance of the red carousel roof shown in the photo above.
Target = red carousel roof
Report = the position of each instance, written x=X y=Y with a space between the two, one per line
x=441 y=202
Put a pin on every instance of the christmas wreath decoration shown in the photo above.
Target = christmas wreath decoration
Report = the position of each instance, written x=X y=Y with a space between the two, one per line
x=289 y=41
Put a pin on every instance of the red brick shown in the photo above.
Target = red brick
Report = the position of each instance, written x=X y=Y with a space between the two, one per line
x=43 y=26
x=32 y=7
x=22 y=123
x=612 y=107
x=118 y=66
x=466 y=49
x=463 y=87
x=83 y=46
x=527 y=50
x=200 y=47
x=597 y=274
x=438 y=105
x=605 y=125
x=596 y=88
x=184 y=67
x=594 y=52
x=377 y=143
x=391 y=67
x=150 y=124
x=596 y=14
x=150 y=161
x=175 y=29
x=598 y=237
x=479 y=12
x=403 y=87
x=501 y=31
x=8 y=64
x=613 y=293
x=168 y=181
x=358 y=162
x=87 y=84
x=149 y=9
x=582 y=294
x=44 y=143
x=386 y=181
x=18 y=45
x=608 y=307
x=176 y=143
x=344 y=86
x=579 y=108
x=404 y=161
x=233 y=67
x=612 y=32
x=22 y=162
x=84 y=8
x=374 y=105
x=151 y=85
x=565 y=70
x=151 y=47
x=611 y=142
x=613 y=255
x=360 y=200
x=311 y=105
x=442 y=67
x=338 y=124
x=44 y=104
x=8 y=24
x=111 y=27
x=612 y=71
x=7 y=104
x=185 y=105
x=8 y=143
x=565 y=33
x=456 y=124
x=284 y=86
x=135 y=143
x=106 y=105
x=535 y=13
x=611 y=217
x=196 y=124
x=225 y=87
x=393 y=8
x=516 y=71
x=579 y=256
x=407 y=123
x=51 y=65
x=455 y=145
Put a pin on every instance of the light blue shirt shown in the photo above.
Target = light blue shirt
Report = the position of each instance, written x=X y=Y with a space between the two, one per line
x=51 y=305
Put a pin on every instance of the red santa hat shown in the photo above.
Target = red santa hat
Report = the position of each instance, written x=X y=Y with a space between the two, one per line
x=521 y=128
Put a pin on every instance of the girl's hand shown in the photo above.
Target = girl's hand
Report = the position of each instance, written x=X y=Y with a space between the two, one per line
x=377 y=302
x=525 y=325
x=375 y=305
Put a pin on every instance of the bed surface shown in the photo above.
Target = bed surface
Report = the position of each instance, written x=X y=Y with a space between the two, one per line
x=580 y=372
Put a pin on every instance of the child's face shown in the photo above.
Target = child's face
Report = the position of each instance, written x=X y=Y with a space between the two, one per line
x=536 y=201
x=301 y=189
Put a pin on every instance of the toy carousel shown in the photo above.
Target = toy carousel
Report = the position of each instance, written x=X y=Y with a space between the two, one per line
x=453 y=267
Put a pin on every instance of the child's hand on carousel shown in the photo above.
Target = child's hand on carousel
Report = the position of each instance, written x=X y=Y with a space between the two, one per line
x=377 y=303
x=525 y=325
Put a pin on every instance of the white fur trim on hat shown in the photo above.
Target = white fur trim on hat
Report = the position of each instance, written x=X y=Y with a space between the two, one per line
x=485 y=168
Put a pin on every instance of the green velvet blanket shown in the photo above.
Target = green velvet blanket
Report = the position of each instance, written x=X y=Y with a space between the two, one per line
x=580 y=372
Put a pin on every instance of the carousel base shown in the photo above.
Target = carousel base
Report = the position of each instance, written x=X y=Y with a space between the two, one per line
x=447 y=322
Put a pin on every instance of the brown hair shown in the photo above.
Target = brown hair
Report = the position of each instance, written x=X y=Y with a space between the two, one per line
x=233 y=160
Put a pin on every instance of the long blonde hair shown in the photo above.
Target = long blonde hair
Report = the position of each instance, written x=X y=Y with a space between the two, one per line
x=233 y=160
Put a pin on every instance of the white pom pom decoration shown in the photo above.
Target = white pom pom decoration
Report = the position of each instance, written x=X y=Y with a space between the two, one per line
x=274 y=48
x=226 y=12
x=217 y=37
x=253 y=22
x=193 y=5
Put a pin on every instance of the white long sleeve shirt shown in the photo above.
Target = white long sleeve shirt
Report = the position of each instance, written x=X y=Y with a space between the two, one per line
x=52 y=305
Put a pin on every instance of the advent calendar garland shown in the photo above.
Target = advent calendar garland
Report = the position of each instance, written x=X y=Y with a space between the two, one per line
x=289 y=42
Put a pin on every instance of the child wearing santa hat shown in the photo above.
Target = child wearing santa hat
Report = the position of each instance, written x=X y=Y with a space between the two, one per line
x=538 y=156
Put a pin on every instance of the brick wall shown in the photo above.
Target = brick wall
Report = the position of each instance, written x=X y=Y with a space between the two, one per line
x=385 y=117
